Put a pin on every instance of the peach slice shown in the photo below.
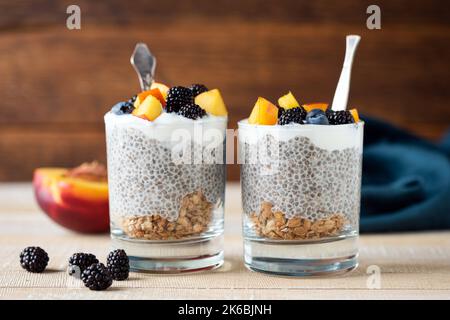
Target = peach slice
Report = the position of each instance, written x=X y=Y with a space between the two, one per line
x=288 y=101
x=144 y=94
x=162 y=88
x=355 y=114
x=75 y=202
x=264 y=112
x=149 y=109
x=318 y=105
x=212 y=102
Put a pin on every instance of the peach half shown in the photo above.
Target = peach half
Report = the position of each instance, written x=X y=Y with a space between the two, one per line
x=75 y=203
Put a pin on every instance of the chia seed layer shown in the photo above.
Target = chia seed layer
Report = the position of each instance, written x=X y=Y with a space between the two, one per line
x=143 y=179
x=300 y=179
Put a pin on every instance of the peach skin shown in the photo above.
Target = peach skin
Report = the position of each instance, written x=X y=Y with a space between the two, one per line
x=78 y=203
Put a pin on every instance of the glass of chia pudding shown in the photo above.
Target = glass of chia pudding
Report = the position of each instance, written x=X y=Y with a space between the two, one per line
x=166 y=175
x=301 y=181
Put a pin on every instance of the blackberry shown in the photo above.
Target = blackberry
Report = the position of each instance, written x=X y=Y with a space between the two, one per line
x=123 y=108
x=80 y=261
x=127 y=107
x=133 y=99
x=118 y=264
x=192 y=111
x=339 y=117
x=34 y=259
x=280 y=112
x=296 y=115
x=178 y=97
x=97 y=277
x=197 y=89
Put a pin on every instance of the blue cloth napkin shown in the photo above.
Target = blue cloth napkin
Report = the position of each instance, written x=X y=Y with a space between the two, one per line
x=406 y=180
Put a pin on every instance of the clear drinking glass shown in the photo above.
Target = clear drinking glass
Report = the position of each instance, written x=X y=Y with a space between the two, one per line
x=166 y=192
x=301 y=188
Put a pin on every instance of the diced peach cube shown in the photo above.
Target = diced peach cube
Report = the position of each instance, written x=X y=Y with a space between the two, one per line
x=264 y=112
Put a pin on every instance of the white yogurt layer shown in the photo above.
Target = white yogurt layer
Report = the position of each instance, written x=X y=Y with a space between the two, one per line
x=171 y=126
x=328 y=137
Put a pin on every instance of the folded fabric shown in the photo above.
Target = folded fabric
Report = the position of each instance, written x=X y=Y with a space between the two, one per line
x=406 y=181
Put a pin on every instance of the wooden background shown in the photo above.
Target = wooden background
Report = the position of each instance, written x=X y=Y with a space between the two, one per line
x=56 y=84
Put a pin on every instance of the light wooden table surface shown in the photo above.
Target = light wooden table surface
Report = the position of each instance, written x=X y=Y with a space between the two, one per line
x=413 y=265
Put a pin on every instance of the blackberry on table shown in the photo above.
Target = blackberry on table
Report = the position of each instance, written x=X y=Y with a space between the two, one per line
x=339 y=117
x=178 y=97
x=197 y=89
x=34 y=259
x=192 y=111
x=97 y=277
x=293 y=115
x=118 y=264
x=80 y=261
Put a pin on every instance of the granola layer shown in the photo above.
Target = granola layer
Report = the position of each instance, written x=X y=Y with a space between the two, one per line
x=194 y=217
x=275 y=225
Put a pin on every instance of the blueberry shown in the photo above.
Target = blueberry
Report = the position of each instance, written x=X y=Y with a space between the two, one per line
x=122 y=108
x=316 y=116
x=117 y=109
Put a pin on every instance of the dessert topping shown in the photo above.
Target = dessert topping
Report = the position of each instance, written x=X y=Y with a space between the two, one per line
x=177 y=97
x=316 y=116
x=339 y=117
x=293 y=115
x=197 y=89
x=192 y=111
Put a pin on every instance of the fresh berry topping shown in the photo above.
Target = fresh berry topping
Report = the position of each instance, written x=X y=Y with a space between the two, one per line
x=78 y=262
x=178 y=97
x=118 y=264
x=123 y=108
x=34 y=259
x=97 y=277
x=192 y=111
x=280 y=112
x=339 y=117
x=316 y=116
x=293 y=115
x=133 y=98
x=197 y=89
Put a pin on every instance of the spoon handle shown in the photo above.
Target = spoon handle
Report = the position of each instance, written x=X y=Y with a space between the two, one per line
x=341 y=95
x=144 y=62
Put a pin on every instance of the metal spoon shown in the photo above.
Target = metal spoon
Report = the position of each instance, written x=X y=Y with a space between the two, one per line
x=341 y=95
x=144 y=62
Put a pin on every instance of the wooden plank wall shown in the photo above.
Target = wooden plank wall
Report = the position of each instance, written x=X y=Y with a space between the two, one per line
x=56 y=84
